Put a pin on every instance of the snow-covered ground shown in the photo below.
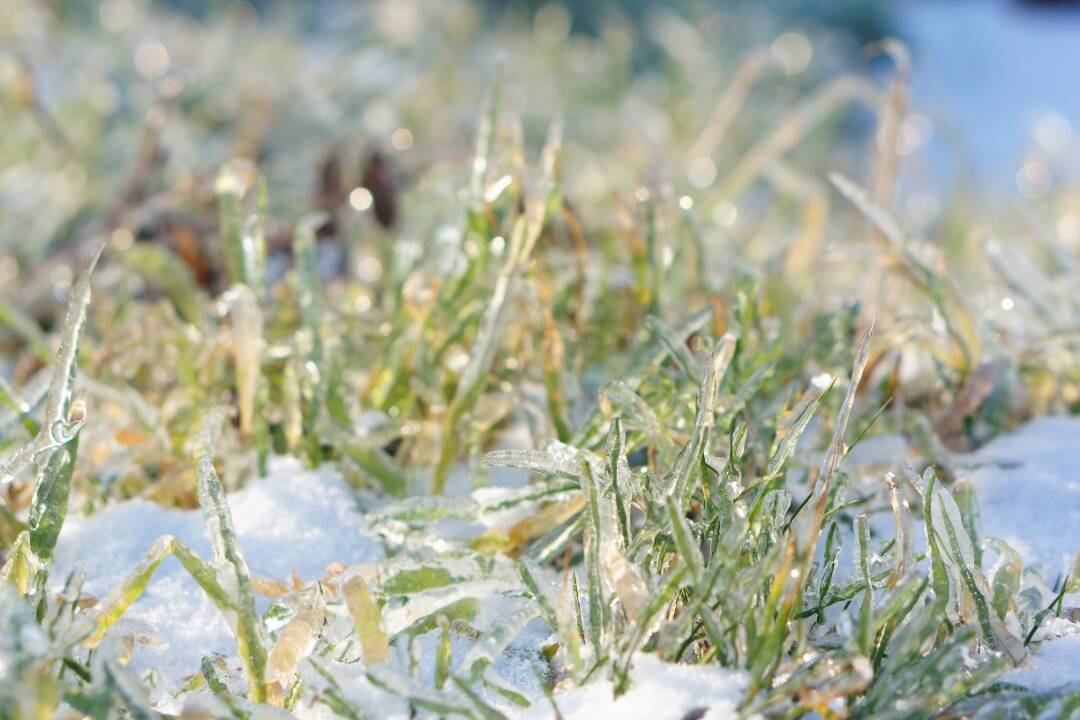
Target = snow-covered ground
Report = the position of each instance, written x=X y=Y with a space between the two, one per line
x=660 y=690
x=299 y=521
x=294 y=519
x=1028 y=485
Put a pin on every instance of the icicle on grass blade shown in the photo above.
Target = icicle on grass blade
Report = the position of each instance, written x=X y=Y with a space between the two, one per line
x=246 y=330
x=538 y=461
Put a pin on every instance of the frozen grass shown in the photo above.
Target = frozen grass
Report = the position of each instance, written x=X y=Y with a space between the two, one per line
x=651 y=411
x=292 y=520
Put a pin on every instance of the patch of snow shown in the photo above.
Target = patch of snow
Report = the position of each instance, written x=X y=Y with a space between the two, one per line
x=659 y=690
x=293 y=519
x=1055 y=663
x=1028 y=486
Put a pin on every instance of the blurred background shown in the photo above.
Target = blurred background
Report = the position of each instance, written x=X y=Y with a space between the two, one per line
x=116 y=114
x=700 y=145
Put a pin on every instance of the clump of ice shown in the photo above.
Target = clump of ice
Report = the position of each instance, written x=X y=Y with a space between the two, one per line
x=292 y=519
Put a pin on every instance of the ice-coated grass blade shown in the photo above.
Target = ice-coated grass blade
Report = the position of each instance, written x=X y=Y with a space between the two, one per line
x=473 y=377
x=689 y=552
x=1053 y=607
x=593 y=540
x=53 y=449
x=866 y=611
x=444 y=654
x=618 y=471
x=464 y=609
x=308 y=373
x=788 y=433
x=964 y=493
x=296 y=640
x=546 y=462
x=524 y=234
x=50 y=502
x=377 y=464
x=956 y=552
x=902 y=520
x=57 y=426
x=246 y=329
x=837 y=449
x=418 y=579
x=939 y=577
x=528 y=571
x=122 y=597
x=228 y=561
x=1006 y=581
x=243 y=239
x=219 y=587
x=679 y=485
x=367 y=621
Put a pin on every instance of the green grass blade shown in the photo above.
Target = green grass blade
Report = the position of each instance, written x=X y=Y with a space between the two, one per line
x=58 y=426
x=250 y=633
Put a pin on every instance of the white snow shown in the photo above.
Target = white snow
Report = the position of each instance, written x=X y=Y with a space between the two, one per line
x=1057 y=660
x=293 y=519
x=1028 y=486
x=660 y=690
